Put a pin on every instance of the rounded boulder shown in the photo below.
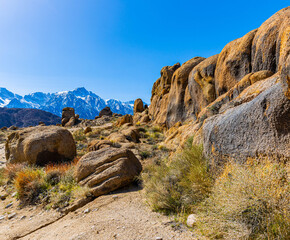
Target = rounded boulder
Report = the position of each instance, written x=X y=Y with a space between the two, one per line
x=40 y=145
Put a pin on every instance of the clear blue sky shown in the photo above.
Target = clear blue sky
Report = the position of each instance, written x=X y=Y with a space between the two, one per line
x=114 y=48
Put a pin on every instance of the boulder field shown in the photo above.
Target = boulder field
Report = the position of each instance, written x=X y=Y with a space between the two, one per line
x=235 y=103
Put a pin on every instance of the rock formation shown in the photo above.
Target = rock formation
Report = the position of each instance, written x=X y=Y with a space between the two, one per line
x=238 y=101
x=68 y=117
x=40 y=145
x=124 y=119
x=107 y=169
x=106 y=112
x=138 y=106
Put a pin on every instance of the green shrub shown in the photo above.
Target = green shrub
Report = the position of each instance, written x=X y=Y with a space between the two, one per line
x=248 y=202
x=177 y=185
x=145 y=154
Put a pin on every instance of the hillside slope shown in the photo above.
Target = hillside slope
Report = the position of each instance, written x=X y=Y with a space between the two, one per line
x=22 y=117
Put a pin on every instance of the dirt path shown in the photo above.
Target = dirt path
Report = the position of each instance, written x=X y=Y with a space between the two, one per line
x=122 y=215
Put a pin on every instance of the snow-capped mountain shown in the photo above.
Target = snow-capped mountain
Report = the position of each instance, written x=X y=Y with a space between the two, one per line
x=86 y=103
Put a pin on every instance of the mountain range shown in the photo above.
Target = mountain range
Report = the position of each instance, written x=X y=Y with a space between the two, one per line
x=86 y=103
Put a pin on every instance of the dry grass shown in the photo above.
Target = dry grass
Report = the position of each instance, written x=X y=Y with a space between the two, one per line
x=53 y=186
x=2 y=176
x=178 y=185
x=79 y=135
x=248 y=202
x=29 y=183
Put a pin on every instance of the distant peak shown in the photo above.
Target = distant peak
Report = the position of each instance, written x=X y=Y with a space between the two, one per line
x=81 y=89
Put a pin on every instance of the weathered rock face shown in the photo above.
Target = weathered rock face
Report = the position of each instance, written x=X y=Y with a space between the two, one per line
x=40 y=145
x=234 y=62
x=176 y=104
x=201 y=86
x=237 y=102
x=160 y=90
x=270 y=41
x=107 y=169
x=106 y=112
x=260 y=126
x=138 y=106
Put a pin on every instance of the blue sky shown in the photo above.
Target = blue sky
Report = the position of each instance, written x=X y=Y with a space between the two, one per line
x=114 y=48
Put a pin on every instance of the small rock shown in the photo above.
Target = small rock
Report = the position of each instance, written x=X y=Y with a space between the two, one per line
x=12 y=215
x=14 y=194
x=115 y=197
x=87 y=210
x=9 y=205
x=4 y=196
x=159 y=238
x=87 y=130
x=22 y=217
x=2 y=217
x=191 y=220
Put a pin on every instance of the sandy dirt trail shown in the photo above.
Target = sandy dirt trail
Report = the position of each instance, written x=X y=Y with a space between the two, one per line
x=122 y=215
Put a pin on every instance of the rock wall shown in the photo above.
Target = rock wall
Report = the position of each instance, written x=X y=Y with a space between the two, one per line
x=238 y=101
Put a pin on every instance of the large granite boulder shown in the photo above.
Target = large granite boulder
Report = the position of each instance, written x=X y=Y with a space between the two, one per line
x=40 y=145
x=259 y=125
x=107 y=169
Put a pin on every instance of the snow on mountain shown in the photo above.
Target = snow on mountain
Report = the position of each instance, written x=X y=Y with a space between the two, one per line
x=6 y=96
x=86 y=103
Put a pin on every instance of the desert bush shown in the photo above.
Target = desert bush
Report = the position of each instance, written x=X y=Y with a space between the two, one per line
x=53 y=185
x=177 y=185
x=248 y=201
x=66 y=191
x=12 y=170
x=29 y=183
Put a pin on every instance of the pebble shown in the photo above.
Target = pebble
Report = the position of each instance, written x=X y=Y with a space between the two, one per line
x=159 y=238
x=14 y=194
x=9 y=205
x=22 y=217
x=115 y=197
x=87 y=210
x=12 y=215
x=2 y=217
x=191 y=220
